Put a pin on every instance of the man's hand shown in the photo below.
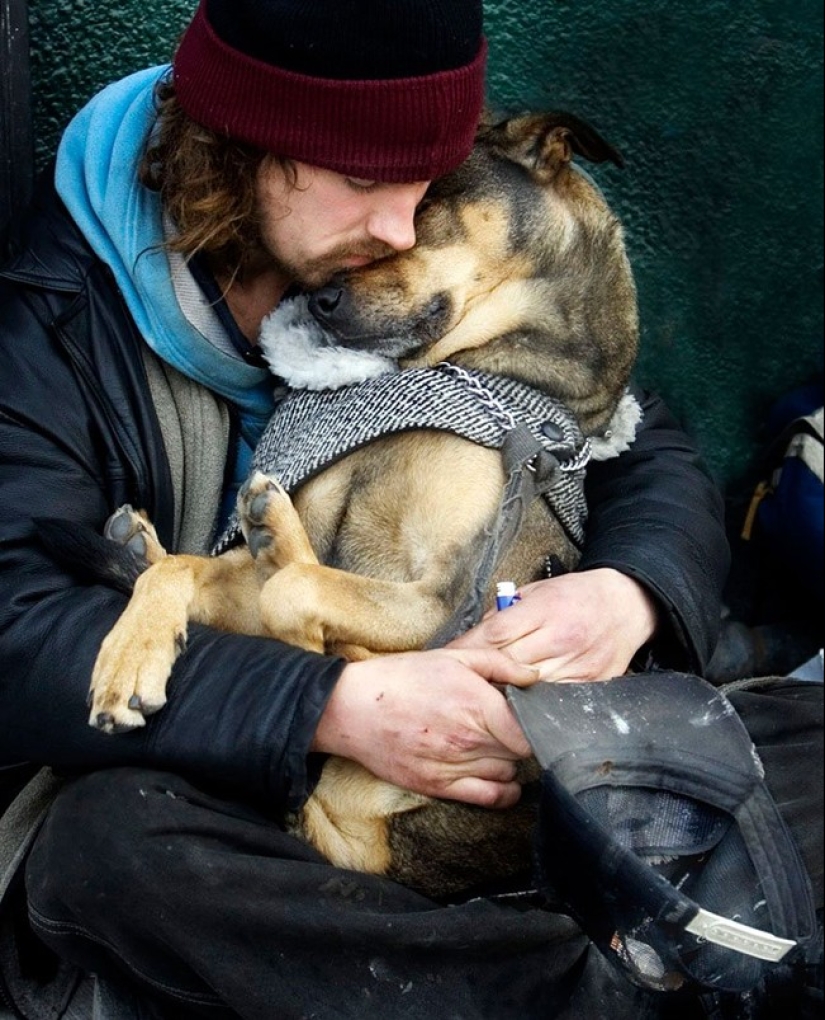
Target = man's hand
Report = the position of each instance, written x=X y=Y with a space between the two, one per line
x=580 y=626
x=431 y=722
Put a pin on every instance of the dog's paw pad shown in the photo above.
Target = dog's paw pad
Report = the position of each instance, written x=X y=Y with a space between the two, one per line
x=270 y=524
x=257 y=482
x=137 y=545
x=127 y=528
x=256 y=507
x=122 y=525
x=132 y=530
x=255 y=499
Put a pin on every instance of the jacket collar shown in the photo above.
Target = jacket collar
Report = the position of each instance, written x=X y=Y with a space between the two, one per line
x=46 y=250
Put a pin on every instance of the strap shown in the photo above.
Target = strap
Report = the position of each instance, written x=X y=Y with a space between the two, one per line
x=531 y=472
x=19 y=824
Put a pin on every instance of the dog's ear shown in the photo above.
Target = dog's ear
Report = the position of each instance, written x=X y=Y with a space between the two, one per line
x=545 y=143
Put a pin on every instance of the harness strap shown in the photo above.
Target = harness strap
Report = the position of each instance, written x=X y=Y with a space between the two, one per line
x=531 y=471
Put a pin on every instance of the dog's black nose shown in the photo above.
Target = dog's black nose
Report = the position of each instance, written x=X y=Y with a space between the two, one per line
x=324 y=302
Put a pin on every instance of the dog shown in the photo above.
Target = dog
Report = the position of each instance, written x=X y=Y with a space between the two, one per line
x=519 y=274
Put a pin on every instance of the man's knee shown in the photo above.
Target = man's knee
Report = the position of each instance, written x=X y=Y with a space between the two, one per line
x=108 y=874
x=99 y=846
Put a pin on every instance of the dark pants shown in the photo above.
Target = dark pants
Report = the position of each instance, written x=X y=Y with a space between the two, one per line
x=209 y=906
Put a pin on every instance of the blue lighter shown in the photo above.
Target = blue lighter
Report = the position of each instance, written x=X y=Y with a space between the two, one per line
x=506 y=594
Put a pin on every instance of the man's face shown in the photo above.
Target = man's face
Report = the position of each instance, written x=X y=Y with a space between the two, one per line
x=325 y=222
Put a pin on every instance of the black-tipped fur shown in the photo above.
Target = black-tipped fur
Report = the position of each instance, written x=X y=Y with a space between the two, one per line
x=88 y=555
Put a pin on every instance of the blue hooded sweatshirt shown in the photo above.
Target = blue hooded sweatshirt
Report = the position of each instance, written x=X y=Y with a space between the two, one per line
x=97 y=179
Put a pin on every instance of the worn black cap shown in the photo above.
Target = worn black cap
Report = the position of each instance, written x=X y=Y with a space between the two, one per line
x=658 y=833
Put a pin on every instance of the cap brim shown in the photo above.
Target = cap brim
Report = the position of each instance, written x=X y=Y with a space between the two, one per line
x=658 y=833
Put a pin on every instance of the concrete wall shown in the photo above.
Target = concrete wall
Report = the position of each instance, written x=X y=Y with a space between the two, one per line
x=718 y=109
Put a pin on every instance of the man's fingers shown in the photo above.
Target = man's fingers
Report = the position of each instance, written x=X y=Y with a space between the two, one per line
x=483 y=793
x=495 y=665
x=494 y=770
x=527 y=649
x=505 y=630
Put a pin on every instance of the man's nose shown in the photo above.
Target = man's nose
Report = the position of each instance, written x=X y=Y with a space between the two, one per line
x=392 y=221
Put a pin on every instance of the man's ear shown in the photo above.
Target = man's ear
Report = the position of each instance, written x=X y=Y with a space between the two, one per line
x=545 y=143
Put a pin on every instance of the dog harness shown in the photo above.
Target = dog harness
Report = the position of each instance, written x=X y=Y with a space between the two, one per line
x=537 y=434
x=544 y=452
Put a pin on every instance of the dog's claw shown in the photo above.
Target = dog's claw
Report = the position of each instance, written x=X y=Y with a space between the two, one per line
x=107 y=722
x=135 y=703
x=257 y=540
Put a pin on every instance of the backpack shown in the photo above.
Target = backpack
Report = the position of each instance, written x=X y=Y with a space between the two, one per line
x=785 y=517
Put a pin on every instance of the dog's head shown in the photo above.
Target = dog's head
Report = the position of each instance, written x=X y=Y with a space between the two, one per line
x=519 y=268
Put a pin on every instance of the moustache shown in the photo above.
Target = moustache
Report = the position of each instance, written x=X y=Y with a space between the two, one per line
x=370 y=252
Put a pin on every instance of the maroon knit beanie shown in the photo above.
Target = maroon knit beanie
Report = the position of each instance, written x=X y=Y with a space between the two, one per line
x=385 y=90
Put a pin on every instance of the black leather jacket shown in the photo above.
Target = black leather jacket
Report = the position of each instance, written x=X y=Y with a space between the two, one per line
x=79 y=436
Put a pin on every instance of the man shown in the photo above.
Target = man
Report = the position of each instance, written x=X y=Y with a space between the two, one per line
x=290 y=140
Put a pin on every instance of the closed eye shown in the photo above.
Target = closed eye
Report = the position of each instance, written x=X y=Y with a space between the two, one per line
x=361 y=185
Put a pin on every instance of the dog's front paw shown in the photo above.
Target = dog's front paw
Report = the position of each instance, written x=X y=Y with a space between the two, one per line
x=129 y=679
x=136 y=657
x=271 y=525
x=133 y=530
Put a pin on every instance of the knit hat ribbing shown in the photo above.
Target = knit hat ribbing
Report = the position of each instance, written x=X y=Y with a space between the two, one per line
x=387 y=90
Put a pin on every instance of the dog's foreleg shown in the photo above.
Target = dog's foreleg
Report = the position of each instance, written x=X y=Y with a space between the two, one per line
x=136 y=657
x=319 y=607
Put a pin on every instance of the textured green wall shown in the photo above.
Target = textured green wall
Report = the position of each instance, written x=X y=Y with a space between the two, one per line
x=718 y=110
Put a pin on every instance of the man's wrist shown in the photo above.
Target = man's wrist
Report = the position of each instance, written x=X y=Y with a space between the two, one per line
x=334 y=732
x=639 y=608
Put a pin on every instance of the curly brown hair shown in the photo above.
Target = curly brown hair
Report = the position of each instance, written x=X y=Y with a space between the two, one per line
x=207 y=186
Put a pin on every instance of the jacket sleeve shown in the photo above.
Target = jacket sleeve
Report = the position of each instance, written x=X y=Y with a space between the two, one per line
x=242 y=711
x=657 y=516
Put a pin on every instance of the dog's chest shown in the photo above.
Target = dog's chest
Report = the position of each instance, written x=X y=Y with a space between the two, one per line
x=404 y=508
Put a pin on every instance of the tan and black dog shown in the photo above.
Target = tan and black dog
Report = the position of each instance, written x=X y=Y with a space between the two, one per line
x=519 y=271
